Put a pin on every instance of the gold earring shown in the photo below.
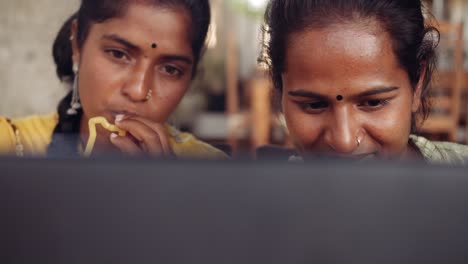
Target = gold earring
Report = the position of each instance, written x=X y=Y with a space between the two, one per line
x=75 y=103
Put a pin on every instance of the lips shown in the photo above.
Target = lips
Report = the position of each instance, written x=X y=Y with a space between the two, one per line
x=124 y=113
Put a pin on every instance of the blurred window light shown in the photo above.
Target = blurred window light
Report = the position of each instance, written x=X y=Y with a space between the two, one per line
x=212 y=39
x=257 y=4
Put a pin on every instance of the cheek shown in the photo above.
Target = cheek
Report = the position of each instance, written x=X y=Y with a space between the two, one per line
x=304 y=129
x=391 y=128
x=170 y=90
x=98 y=80
x=166 y=98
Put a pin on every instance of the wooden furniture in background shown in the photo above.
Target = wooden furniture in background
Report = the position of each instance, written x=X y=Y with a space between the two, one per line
x=447 y=88
x=232 y=98
x=260 y=104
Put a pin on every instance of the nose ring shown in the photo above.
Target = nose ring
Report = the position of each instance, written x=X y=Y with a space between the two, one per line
x=149 y=95
x=358 y=139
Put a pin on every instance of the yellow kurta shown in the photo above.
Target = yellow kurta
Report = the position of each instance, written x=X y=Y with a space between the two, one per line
x=35 y=134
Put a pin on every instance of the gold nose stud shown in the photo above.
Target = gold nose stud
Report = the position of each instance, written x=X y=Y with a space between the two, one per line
x=149 y=95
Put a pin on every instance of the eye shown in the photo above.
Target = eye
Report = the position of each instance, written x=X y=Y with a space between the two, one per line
x=374 y=104
x=171 y=70
x=314 y=107
x=118 y=55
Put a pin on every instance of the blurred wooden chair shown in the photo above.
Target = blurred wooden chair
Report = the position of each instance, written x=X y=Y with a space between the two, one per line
x=260 y=88
x=447 y=85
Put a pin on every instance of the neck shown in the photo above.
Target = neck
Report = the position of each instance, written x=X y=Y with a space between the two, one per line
x=412 y=152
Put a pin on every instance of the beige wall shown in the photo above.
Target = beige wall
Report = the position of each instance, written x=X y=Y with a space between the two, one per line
x=28 y=84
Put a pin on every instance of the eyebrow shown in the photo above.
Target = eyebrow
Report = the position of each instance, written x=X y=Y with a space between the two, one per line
x=373 y=91
x=184 y=59
x=121 y=40
x=378 y=90
x=303 y=93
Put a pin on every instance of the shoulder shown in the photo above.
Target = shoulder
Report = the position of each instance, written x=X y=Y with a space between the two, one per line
x=38 y=121
x=37 y=126
x=33 y=132
x=186 y=145
x=7 y=136
x=441 y=152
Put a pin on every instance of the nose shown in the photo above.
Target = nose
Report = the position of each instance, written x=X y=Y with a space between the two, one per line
x=341 y=134
x=138 y=84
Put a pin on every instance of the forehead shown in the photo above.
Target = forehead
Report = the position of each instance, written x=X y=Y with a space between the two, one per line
x=147 y=24
x=342 y=52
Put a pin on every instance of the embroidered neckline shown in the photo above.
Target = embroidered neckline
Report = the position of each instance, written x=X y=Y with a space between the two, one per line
x=19 y=147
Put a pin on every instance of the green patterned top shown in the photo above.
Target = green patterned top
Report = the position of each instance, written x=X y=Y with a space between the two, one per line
x=441 y=152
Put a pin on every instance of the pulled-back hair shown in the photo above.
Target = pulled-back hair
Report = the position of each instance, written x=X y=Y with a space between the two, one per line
x=97 y=11
x=413 y=41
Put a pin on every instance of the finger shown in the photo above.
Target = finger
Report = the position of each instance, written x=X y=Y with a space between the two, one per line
x=126 y=145
x=145 y=135
x=160 y=129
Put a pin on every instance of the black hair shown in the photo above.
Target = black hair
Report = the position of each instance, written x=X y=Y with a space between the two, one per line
x=414 y=42
x=65 y=138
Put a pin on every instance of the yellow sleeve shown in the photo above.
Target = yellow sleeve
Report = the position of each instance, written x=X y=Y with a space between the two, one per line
x=35 y=134
x=7 y=138
x=185 y=145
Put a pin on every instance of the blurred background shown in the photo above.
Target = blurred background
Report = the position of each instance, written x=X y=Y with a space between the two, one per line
x=229 y=102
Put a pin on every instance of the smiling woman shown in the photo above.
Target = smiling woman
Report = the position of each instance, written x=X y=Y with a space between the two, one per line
x=130 y=63
x=353 y=78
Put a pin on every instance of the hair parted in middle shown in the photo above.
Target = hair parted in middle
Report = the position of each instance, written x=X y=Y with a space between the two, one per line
x=413 y=41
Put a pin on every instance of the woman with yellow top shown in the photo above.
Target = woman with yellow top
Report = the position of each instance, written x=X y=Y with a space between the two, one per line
x=353 y=76
x=129 y=63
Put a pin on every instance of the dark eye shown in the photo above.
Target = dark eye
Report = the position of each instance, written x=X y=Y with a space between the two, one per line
x=171 y=70
x=314 y=107
x=117 y=54
x=373 y=104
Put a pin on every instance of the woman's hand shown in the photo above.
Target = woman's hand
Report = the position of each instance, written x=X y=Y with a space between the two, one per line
x=144 y=137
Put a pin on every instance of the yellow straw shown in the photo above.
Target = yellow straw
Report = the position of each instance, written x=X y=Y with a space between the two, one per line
x=92 y=132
